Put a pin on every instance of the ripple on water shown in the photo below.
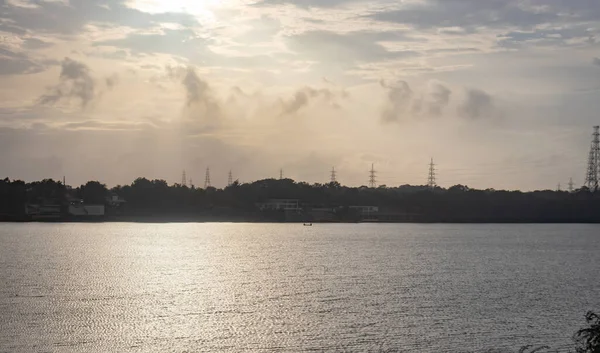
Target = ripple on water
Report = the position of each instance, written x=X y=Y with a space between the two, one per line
x=281 y=288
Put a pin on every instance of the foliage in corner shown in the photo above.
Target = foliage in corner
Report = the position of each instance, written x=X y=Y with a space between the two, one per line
x=588 y=339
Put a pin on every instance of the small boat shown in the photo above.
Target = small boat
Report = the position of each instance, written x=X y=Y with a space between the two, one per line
x=308 y=224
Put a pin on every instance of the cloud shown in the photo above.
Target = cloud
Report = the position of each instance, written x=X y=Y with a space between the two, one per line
x=15 y=63
x=112 y=81
x=398 y=103
x=71 y=17
x=200 y=100
x=197 y=90
x=467 y=14
x=562 y=36
x=307 y=3
x=75 y=81
x=34 y=43
x=305 y=96
x=596 y=61
x=99 y=125
x=180 y=42
x=477 y=105
x=439 y=98
x=348 y=47
x=261 y=29
x=402 y=102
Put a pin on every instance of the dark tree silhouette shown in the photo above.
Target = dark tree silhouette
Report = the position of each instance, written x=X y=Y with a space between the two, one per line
x=93 y=192
x=588 y=339
x=156 y=199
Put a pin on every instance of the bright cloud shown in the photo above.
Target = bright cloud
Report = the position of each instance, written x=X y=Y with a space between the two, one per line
x=115 y=89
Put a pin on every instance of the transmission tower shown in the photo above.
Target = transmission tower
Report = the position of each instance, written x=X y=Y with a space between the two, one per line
x=372 y=180
x=591 y=179
x=207 y=179
x=183 y=179
x=230 y=179
x=280 y=174
x=431 y=179
x=558 y=188
x=333 y=175
x=571 y=185
x=191 y=183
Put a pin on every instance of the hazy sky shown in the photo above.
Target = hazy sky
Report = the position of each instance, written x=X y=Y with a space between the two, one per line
x=501 y=93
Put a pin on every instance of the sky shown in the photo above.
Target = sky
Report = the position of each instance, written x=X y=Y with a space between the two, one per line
x=500 y=93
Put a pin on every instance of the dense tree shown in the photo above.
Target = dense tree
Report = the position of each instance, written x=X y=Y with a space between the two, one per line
x=46 y=191
x=93 y=192
x=459 y=203
x=588 y=338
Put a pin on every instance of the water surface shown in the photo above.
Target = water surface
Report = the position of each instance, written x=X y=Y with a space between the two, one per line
x=287 y=288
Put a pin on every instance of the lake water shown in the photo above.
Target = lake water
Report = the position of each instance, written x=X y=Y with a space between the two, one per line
x=287 y=288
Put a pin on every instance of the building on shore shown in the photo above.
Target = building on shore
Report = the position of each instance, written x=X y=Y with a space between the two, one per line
x=79 y=209
x=41 y=212
x=280 y=204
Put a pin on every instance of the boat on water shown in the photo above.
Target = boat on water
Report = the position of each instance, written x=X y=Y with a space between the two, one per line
x=308 y=224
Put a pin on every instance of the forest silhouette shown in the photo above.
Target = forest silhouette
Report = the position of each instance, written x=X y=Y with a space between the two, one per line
x=157 y=200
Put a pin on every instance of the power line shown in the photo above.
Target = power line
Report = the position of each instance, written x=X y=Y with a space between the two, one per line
x=431 y=178
x=207 y=179
x=591 y=179
x=571 y=185
x=372 y=180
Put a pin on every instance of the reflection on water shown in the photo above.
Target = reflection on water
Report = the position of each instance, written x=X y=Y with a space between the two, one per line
x=289 y=288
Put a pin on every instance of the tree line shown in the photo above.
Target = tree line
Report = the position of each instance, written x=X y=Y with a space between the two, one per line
x=157 y=199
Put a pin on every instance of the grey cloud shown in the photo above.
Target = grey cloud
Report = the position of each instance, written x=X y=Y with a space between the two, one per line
x=348 y=47
x=477 y=105
x=14 y=63
x=199 y=95
x=112 y=81
x=119 y=54
x=305 y=97
x=181 y=42
x=197 y=89
x=300 y=100
x=239 y=96
x=17 y=114
x=34 y=43
x=574 y=10
x=465 y=13
x=75 y=81
x=399 y=101
x=307 y=3
x=402 y=102
x=187 y=44
x=466 y=50
x=440 y=97
x=107 y=126
x=596 y=61
x=71 y=17
x=469 y=15
x=544 y=37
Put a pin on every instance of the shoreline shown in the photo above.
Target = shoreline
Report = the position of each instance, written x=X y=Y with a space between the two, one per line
x=171 y=221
